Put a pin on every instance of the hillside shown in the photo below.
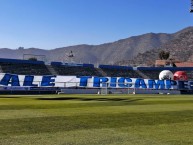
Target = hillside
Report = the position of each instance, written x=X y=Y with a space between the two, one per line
x=180 y=48
x=141 y=46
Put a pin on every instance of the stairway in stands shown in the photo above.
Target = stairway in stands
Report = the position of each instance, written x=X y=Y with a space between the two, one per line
x=190 y=75
x=142 y=74
x=52 y=70
x=1 y=70
x=101 y=72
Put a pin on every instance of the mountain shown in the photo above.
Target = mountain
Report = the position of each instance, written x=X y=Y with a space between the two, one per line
x=180 y=48
x=121 y=51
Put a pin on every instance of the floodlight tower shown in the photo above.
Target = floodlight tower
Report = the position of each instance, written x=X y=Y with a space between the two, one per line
x=71 y=56
x=191 y=8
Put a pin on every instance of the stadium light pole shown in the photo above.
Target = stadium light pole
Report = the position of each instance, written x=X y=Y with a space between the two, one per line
x=67 y=57
x=71 y=56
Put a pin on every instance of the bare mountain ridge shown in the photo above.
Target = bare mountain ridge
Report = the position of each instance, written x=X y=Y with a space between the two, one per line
x=108 y=53
x=180 y=48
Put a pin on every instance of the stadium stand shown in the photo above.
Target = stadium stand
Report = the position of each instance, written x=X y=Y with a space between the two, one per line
x=76 y=70
x=23 y=67
x=119 y=71
x=153 y=72
x=28 y=67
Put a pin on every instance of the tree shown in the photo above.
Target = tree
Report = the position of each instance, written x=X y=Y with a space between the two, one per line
x=164 y=55
x=161 y=53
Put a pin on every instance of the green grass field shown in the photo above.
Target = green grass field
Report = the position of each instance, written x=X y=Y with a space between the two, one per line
x=96 y=120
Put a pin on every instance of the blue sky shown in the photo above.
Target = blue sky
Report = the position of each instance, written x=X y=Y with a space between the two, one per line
x=49 y=24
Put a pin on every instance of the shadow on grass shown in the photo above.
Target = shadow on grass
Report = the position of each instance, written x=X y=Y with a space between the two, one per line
x=90 y=99
x=8 y=97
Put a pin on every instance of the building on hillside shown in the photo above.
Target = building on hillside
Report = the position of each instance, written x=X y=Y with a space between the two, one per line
x=172 y=63
x=166 y=63
x=184 y=64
